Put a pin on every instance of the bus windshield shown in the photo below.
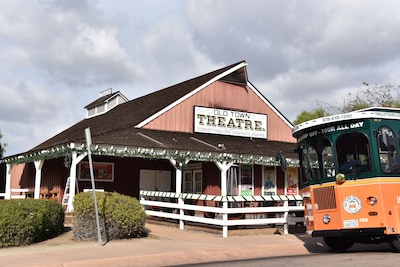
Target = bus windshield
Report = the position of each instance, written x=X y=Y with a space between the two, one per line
x=352 y=153
x=323 y=157
x=317 y=160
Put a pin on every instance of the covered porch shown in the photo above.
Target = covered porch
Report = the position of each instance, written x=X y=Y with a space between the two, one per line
x=214 y=189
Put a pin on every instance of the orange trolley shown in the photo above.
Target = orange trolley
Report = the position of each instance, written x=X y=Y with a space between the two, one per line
x=350 y=177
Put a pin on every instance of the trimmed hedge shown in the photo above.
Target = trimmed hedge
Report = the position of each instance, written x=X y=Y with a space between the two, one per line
x=120 y=216
x=26 y=221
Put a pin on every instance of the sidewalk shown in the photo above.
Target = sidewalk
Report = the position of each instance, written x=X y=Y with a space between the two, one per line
x=166 y=245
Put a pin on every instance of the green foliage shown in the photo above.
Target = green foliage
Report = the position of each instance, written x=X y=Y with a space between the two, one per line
x=374 y=95
x=310 y=115
x=120 y=216
x=2 y=147
x=25 y=221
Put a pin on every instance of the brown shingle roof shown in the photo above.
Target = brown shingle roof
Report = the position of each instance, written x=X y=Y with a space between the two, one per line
x=129 y=114
x=117 y=126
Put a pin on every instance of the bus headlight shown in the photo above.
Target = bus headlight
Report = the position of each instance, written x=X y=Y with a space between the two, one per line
x=372 y=201
x=340 y=178
x=326 y=219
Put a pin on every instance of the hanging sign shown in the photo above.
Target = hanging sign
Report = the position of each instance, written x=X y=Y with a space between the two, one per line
x=230 y=122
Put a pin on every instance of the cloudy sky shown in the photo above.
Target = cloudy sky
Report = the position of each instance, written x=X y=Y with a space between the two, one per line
x=57 y=55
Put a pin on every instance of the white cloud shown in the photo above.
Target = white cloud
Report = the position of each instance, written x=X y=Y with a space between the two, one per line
x=57 y=55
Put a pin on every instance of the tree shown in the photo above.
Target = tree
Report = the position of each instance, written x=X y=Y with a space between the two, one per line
x=310 y=115
x=375 y=95
x=386 y=95
x=2 y=147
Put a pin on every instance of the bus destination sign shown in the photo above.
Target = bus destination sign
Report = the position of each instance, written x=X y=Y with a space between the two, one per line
x=331 y=129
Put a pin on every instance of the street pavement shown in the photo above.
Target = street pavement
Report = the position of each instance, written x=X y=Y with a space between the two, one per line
x=165 y=245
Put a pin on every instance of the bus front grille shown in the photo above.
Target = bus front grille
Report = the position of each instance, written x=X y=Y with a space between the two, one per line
x=324 y=198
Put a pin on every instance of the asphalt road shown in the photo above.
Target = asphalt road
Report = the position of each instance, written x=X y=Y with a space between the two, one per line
x=363 y=255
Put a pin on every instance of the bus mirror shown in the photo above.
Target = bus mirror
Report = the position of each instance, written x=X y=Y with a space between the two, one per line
x=282 y=161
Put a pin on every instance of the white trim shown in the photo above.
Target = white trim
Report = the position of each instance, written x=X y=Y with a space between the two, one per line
x=38 y=177
x=170 y=106
x=7 y=193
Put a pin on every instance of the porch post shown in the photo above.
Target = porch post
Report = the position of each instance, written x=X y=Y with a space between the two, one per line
x=224 y=167
x=8 y=181
x=38 y=177
x=178 y=188
x=72 y=176
x=286 y=215
x=178 y=191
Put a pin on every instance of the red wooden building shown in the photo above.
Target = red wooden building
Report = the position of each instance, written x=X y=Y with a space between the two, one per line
x=215 y=134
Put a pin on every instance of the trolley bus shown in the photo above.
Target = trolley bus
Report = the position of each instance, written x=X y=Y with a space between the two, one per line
x=350 y=177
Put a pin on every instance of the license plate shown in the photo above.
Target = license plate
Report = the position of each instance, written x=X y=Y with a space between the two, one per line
x=350 y=223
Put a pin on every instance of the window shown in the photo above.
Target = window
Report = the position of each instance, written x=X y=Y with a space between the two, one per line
x=197 y=181
x=246 y=180
x=269 y=181
x=324 y=158
x=155 y=180
x=387 y=150
x=193 y=181
x=353 y=153
x=317 y=160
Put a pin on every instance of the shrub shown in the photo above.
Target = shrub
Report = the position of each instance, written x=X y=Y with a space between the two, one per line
x=25 y=221
x=120 y=216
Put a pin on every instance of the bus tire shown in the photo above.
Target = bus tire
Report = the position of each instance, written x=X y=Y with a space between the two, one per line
x=338 y=244
x=395 y=243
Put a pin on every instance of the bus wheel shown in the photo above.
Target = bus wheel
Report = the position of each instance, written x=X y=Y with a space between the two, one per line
x=338 y=244
x=395 y=243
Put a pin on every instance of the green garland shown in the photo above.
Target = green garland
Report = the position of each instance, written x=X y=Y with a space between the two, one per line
x=147 y=153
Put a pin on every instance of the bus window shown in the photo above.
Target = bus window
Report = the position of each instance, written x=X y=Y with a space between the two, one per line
x=324 y=157
x=387 y=149
x=353 y=153
x=313 y=161
x=327 y=157
x=305 y=166
x=317 y=161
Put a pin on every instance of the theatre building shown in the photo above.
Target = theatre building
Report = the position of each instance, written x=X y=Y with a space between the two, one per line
x=204 y=150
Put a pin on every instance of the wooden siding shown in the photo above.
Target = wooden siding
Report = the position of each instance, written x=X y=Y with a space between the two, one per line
x=126 y=174
x=224 y=96
x=22 y=172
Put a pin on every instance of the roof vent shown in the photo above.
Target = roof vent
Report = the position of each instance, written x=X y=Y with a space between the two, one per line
x=105 y=92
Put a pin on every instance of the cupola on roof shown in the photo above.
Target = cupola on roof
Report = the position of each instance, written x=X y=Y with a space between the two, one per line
x=106 y=101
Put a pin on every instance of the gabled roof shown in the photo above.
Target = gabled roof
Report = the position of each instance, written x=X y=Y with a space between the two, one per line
x=120 y=127
x=130 y=114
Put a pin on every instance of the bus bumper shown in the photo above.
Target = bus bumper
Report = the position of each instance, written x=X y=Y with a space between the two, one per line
x=366 y=232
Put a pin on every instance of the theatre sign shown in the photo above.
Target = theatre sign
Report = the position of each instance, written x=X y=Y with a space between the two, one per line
x=230 y=122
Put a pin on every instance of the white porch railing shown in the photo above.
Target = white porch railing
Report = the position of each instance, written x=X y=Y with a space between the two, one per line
x=225 y=210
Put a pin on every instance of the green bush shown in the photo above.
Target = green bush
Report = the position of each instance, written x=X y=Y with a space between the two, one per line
x=25 y=221
x=120 y=216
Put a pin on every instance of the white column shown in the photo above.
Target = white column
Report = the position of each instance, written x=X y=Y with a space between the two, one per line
x=72 y=177
x=178 y=187
x=181 y=202
x=38 y=177
x=8 y=181
x=224 y=167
